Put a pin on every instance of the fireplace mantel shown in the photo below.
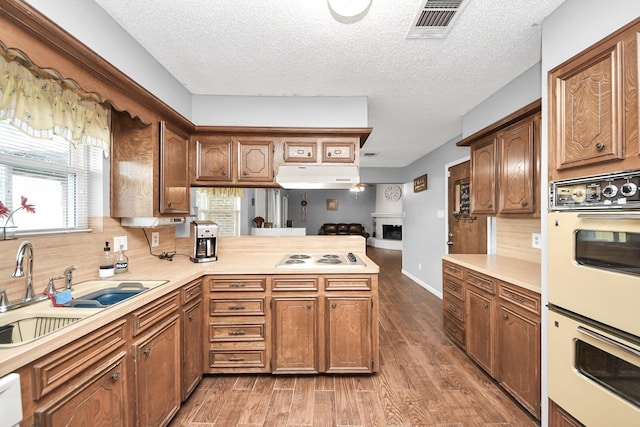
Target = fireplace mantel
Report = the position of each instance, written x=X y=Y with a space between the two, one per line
x=385 y=218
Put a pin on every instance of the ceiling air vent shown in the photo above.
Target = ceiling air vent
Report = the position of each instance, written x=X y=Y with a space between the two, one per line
x=435 y=18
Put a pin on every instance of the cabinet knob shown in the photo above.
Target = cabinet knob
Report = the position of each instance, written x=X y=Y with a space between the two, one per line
x=147 y=352
x=333 y=305
x=223 y=173
x=192 y=317
x=599 y=146
x=115 y=376
x=485 y=305
x=505 y=316
x=245 y=173
x=524 y=203
x=309 y=306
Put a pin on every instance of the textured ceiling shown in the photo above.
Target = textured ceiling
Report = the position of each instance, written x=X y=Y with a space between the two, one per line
x=417 y=90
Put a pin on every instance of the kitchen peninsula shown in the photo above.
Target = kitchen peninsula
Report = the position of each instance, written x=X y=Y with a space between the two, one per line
x=241 y=313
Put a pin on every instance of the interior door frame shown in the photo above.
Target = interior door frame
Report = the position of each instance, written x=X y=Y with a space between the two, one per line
x=491 y=245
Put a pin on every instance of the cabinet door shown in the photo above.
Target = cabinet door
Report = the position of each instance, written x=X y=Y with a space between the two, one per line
x=255 y=163
x=213 y=159
x=517 y=168
x=339 y=151
x=587 y=113
x=483 y=177
x=295 y=342
x=98 y=401
x=157 y=367
x=348 y=334
x=480 y=343
x=300 y=150
x=174 y=171
x=518 y=347
x=192 y=347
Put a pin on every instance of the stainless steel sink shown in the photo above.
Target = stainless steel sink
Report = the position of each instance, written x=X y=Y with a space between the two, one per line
x=106 y=297
x=31 y=326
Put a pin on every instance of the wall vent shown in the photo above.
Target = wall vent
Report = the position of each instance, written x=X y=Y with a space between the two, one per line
x=435 y=18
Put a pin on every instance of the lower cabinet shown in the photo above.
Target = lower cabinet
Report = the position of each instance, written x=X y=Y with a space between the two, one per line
x=558 y=417
x=192 y=320
x=157 y=364
x=501 y=327
x=295 y=335
x=349 y=334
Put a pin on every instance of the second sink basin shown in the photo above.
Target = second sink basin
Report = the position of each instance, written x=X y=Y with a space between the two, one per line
x=108 y=296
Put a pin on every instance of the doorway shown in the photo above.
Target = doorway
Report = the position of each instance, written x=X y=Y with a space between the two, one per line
x=467 y=233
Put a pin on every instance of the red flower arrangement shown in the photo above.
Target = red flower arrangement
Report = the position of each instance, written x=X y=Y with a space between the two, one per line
x=6 y=213
x=258 y=221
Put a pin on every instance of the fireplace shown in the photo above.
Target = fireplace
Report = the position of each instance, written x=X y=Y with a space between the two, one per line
x=391 y=232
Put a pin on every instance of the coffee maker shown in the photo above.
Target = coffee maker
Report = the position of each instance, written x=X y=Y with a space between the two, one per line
x=204 y=235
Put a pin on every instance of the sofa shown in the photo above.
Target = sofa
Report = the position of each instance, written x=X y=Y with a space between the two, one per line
x=343 y=229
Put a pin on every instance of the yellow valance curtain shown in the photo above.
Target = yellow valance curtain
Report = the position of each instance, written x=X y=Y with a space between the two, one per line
x=221 y=191
x=42 y=104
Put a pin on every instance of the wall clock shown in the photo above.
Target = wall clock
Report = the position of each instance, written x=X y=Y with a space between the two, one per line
x=392 y=193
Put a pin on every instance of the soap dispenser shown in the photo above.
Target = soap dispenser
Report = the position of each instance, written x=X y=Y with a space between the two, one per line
x=122 y=263
x=107 y=262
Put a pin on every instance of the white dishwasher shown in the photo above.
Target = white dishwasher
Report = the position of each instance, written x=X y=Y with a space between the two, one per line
x=10 y=403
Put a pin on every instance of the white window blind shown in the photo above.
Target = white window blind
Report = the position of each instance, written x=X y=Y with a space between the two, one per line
x=62 y=181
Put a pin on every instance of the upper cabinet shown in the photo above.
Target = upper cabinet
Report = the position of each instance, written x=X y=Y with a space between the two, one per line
x=174 y=171
x=505 y=165
x=593 y=109
x=149 y=168
x=246 y=157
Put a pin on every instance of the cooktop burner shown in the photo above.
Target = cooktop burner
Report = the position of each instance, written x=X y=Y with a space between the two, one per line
x=319 y=260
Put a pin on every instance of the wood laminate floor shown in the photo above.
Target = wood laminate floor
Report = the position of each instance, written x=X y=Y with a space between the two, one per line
x=424 y=379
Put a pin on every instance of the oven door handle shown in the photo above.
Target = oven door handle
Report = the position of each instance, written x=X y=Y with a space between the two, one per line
x=606 y=340
x=612 y=216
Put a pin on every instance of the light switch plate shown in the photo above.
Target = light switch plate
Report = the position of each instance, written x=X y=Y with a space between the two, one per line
x=155 y=239
x=535 y=240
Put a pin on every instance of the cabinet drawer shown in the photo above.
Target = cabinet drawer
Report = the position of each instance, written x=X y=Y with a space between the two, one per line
x=236 y=332
x=481 y=281
x=151 y=313
x=346 y=283
x=338 y=152
x=520 y=297
x=237 y=359
x=294 y=283
x=299 y=150
x=454 y=287
x=238 y=284
x=236 y=307
x=454 y=307
x=76 y=358
x=453 y=269
x=454 y=330
x=191 y=292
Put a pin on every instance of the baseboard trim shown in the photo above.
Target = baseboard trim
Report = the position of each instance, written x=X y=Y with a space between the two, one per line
x=423 y=284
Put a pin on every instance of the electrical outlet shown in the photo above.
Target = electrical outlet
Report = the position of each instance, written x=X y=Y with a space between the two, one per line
x=120 y=241
x=155 y=239
x=419 y=266
x=535 y=240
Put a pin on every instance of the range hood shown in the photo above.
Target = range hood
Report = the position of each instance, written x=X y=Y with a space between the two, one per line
x=317 y=177
x=150 y=222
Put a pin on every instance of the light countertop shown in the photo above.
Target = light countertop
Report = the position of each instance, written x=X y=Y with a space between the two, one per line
x=512 y=270
x=178 y=272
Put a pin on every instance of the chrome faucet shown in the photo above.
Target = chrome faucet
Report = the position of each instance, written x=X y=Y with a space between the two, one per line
x=68 y=276
x=25 y=247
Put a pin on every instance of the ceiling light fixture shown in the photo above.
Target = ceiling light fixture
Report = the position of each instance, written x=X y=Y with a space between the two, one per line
x=349 y=11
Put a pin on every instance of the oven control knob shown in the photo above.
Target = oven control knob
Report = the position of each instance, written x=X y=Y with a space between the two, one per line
x=628 y=189
x=610 y=191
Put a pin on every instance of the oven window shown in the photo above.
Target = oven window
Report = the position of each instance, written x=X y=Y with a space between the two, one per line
x=611 y=372
x=610 y=250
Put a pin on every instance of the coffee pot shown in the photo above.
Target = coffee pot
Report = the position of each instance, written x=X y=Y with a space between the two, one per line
x=204 y=235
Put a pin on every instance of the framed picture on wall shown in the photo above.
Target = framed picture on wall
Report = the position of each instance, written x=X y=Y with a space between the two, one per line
x=420 y=183
x=332 y=204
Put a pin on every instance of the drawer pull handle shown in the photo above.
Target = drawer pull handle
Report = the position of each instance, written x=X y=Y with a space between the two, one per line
x=454 y=288
x=452 y=329
x=516 y=297
x=147 y=352
x=452 y=309
x=115 y=376
x=236 y=307
x=193 y=292
x=236 y=333
x=237 y=285
x=236 y=359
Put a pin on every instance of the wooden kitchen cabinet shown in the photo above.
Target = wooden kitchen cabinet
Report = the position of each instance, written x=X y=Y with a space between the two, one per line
x=518 y=345
x=483 y=177
x=300 y=150
x=336 y=150
x=480 y=327
x=212 y=159
x=295 y=334
x=192 y=321
x=157 y=361
x=349 y=335
x=84 y=383
x=453 y=305
x=237 y=324
x=501 y=324
x=174 y=171
x=558 y=417
x=517 y=147
x=593 y=109
x=255 y=160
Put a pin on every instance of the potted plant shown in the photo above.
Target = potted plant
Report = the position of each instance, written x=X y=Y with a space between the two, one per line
x=8 y=230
